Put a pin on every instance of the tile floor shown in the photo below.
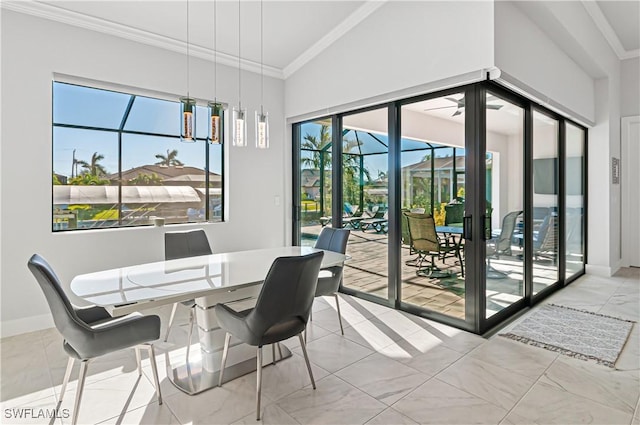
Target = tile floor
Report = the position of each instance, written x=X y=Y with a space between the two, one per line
x=389 y=368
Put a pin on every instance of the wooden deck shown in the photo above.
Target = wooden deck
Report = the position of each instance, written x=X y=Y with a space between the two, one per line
x=367 y=271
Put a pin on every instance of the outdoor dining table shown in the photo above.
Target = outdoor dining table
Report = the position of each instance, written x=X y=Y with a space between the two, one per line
x=233 y=278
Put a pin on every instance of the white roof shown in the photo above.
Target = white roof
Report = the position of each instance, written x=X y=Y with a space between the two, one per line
x=76 y=194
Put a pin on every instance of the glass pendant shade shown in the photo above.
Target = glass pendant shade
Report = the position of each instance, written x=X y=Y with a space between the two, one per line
x=262 y=130
x=239 y=127
x=216 y=113
x=188 y=119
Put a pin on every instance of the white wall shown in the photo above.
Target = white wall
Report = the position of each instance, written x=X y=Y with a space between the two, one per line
x=33 y=50
x=566 y=60
x=401 y=45
x=525 y=52
x=630 y=87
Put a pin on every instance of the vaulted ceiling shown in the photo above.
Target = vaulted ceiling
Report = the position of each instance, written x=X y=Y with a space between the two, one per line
x=293 y=31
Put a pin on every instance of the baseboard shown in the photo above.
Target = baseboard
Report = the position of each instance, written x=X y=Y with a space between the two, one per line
x=26 y=324
x=603 y=271
x=616 y=267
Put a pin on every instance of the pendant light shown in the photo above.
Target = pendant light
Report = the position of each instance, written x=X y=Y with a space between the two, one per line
x=216 y=110
x=262 y=118
x=187 y=104
x=239 y=114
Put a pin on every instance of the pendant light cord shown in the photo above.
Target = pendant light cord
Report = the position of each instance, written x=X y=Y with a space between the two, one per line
x=215 y=52
x=261 y=61
x=239 y=64
x=188 y=55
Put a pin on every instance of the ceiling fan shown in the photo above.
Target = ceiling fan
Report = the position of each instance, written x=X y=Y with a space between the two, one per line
x=459 y=105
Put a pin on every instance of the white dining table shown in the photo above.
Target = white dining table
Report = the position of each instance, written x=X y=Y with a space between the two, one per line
x=233 y=278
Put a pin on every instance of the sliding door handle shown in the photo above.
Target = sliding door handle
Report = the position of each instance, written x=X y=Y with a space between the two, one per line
x=466 y=228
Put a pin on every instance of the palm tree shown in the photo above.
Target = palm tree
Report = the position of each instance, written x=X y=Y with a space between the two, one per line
x=321 y=157
x=320 y=160
x=170 y=159
x=93 y=167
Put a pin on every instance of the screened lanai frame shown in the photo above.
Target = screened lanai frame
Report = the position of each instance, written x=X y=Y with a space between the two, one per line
x=364 y=139
x=120 y=127
x=475 y=149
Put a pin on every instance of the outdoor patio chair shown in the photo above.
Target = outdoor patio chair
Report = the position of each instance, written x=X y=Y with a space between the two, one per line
x=406 y=236
x=501 y=244
x=545 y=242
x=454 y=213
x=426 y=242
x=354 y=219
x=375 y=222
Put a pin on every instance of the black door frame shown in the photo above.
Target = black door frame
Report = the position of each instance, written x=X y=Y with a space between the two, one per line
x=475 y=150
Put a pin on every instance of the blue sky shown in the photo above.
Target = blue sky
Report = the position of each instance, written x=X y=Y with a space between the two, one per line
x=100 y=108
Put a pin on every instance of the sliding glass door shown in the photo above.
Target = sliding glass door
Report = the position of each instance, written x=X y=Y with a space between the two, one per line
x=463 y=205
x=546 y=187
x=313 y=205
x=504 y=182
x=365 y=199
x=574 y=200
x=433 y=195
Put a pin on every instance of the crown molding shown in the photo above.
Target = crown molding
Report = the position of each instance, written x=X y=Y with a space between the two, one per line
x=68 y=17
x=341 y=29
x=607 y=31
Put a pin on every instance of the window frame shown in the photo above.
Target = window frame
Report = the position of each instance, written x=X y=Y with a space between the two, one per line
x=133 y=95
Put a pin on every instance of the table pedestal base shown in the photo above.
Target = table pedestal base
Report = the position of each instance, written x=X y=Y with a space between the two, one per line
x=193 y=378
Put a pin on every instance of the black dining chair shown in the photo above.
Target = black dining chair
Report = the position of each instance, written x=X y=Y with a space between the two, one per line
x=281 y=311
x=92 y=332
x=329 y=279
x=177 y=245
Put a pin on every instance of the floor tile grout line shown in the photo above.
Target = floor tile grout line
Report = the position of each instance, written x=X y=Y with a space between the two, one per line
x=365 y=391
x=531 y=387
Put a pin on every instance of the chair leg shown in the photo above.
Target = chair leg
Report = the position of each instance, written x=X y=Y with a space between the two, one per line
x=67 y=375
x=225 y=351
x=335 y=294
x=81 y=378
x=138 y=360
x=173 y=316
x=154 y=367
x=273 y=354
x=306 y=359
x=258 y=382
x=191 y=320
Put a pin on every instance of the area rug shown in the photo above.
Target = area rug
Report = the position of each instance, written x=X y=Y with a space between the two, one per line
x=576 y=333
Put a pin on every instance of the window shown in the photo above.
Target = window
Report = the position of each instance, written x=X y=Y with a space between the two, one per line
x=118 y=161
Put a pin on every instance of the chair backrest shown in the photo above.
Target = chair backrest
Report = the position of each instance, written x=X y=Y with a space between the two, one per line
x=287 y=292
x=186 y=244
x=422 y=230
x=72 y=328
x=506 y=233
x=454 y=213
x=380 y=213
x=406 y=236
x=333 y=239
x=548 y=234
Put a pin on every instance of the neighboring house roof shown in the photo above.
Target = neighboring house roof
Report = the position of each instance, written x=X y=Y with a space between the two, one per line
x=439 y=162
x=93 y=195
x=172 y=173
x=310 y=178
